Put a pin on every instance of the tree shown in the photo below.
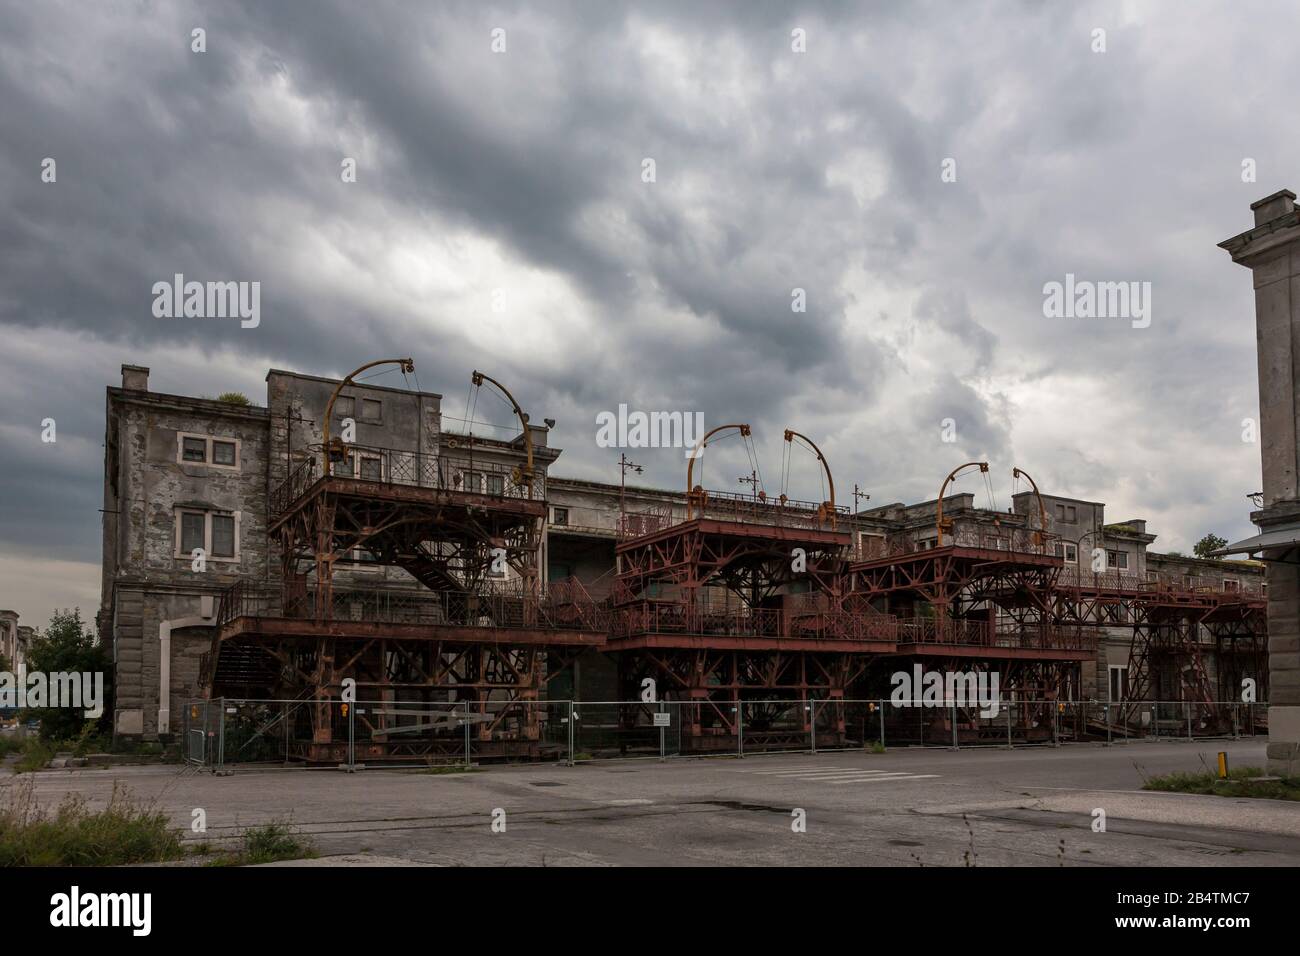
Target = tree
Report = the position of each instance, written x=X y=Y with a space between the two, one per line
x=1211 y=542
x=68 y=646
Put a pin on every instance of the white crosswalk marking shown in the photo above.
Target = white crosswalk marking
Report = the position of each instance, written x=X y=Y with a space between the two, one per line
x=840 y=775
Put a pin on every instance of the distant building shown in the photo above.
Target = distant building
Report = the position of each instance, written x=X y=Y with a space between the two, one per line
x=14 y=640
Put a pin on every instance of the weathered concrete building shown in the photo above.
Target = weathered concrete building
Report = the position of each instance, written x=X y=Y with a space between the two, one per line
x=14 y=640
x=186 y=476
x=1271 y=250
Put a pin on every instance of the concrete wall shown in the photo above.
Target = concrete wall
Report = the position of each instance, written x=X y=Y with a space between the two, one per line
x=147 y=582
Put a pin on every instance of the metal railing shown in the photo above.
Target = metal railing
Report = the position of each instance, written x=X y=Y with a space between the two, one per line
x=1011 y=540
x=448 y=471
x=564 y=605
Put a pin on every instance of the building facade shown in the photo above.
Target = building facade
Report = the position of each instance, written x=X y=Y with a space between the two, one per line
x=197 y=498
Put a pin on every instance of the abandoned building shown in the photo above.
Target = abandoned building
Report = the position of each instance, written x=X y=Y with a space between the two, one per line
x=341 y=533
x=15 y=638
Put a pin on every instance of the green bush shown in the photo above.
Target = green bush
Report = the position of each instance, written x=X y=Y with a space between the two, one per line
x=277 y=840
x=36 y=755
x=1238 y=784
x=74 y=835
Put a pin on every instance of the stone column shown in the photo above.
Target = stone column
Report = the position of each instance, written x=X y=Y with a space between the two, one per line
x=1271 y=250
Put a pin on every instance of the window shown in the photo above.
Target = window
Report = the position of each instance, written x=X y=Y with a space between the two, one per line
x=223 y=453
x=216 y=532
x=1117 y=560
x=1067 y=514
x=206 y=450
x=496 y=484
x=559 y=516
x=193 y=531
x=194 y=449
x=1188 y=581
x=372 y=468
x=370 y=410
x=1118 y=681
x=344 y=406
x=1231 y=586
x=1153 y=577
x=223 y=536
x=1068 y=552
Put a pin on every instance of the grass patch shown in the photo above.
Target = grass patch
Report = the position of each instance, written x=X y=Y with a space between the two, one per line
x=36 y=755
x=581 y=755
x=876 y=747
x=126 y=831
x=1238 y=784
x=270 y=843
x=9 y=745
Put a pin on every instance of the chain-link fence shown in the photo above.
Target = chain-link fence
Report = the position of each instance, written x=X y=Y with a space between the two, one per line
x=228 y=732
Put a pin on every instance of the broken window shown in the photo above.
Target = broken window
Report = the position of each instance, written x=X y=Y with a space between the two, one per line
x=194 y=449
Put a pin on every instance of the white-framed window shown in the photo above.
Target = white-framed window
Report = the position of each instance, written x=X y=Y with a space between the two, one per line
x=1117 y=560
x=1188 y=581
x=1118 y=674
x=1153 y=577
x=212 y=450
x=1231 y=585
x=216 y=532
x=1067 y=552
x=496 y=483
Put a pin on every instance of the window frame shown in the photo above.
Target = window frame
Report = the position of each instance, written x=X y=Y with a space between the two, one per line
x=208 y=441
x=181 y=554
x=1123 y=684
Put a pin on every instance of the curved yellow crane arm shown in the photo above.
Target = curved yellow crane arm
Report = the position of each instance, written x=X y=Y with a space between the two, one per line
x=790 y=436
x=478 y=378
x=407 y=365
x=1042 y=508
x=697 y=451
x=938 y=524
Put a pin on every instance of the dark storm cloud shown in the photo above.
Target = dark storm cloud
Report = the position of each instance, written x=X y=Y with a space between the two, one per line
x=776 y=171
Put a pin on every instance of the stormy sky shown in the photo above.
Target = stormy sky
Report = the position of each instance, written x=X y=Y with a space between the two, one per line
x=501 y=219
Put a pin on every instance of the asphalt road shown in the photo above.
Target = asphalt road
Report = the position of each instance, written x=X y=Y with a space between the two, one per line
x=903 y=808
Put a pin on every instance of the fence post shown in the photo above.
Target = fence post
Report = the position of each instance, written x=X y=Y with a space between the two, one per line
x=740 y=728
x=954 y=725
x=1056 y=721
x=284 y=727
x=221 y=735
x=882 y=724
x=812 y=722
x=1188 y=707
x=571 y=719
x=1235 y=723
x=1009 y=745
x=1105 y=710
x=467 y=732
x=663 y=731
x=352 y=737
